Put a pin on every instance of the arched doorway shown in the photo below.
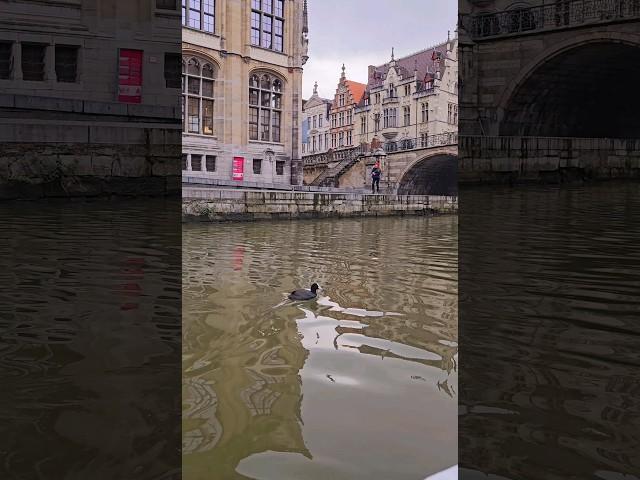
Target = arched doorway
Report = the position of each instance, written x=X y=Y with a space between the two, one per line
x=588 y=90
x=434 y=175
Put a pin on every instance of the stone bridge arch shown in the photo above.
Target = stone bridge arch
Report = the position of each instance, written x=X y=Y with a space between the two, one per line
x=581 y=86
x=432 y=174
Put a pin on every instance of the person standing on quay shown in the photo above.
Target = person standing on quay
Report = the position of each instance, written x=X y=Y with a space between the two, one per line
x=375 y=178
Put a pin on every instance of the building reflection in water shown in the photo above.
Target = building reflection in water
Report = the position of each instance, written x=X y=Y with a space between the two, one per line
x=260 y=365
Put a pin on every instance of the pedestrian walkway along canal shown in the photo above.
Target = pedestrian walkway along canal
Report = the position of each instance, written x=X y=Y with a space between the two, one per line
x=358 y=384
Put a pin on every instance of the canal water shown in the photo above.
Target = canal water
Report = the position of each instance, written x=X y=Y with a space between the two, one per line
x=550 y=332
x=358 y=384
x=90 y=339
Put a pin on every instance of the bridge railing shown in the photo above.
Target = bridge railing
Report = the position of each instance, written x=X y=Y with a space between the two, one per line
x=428 y=141
x=331 y=156
x=390 y=146
x=562 y=14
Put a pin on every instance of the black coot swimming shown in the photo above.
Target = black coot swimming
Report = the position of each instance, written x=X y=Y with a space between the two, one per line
x=304 y=294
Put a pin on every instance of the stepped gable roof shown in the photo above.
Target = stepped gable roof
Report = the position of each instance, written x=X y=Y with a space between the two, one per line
x=356 y=89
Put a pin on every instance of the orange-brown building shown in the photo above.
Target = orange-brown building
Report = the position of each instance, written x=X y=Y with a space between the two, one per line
x=347 y=96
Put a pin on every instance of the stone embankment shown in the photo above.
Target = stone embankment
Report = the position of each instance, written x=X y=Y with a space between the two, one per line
x=487 y=160
x=219 y=205
x=65 y=148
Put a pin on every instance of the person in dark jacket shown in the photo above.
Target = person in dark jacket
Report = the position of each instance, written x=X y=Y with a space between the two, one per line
x=375 y=178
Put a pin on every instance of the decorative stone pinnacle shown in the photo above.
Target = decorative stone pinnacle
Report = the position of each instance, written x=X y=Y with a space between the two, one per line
x=315 y=88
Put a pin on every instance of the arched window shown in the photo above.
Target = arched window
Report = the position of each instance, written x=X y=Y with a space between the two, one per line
x=198 y=77
x=265 y=107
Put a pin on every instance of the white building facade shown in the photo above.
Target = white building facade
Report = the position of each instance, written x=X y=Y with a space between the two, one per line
x=410 y=99
x=315 y=115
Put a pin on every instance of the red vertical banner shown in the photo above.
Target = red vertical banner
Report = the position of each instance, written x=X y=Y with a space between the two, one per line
x=130 y=76
x=238 y=168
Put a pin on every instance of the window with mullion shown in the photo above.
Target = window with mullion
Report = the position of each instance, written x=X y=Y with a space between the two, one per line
x=267 y=24
x=194 y=14
x=199 y=14
x=265 y=108
x=198 y=97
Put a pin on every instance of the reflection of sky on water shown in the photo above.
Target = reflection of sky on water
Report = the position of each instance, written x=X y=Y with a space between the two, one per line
x=358 y=383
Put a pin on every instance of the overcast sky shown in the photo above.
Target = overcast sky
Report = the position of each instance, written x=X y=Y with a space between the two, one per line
x=359 y=33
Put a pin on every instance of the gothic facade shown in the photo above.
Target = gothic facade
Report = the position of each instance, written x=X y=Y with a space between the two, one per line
x=241 y=92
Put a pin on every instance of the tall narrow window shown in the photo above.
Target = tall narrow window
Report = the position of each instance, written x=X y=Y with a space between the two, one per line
x=279 y=167
x=407 y=115
x=33 y=61
x=5 y=60
x=172 y=65
x=376 y=122
x=198 y=77
x=199 y=14
x=195 y=9
x=349 y=117
x=349 y=137
x=341 y=139
x=267 y=24
x=424 y=118
x=66 y=62
x=363 y=125
x=210 y=163
x=320 y=121
x=265 y=107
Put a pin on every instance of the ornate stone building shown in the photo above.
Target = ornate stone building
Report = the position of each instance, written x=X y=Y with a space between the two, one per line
x=408 y=99
x=242 y=82
x=348 y=94
x=89 y=89
x=315 y=117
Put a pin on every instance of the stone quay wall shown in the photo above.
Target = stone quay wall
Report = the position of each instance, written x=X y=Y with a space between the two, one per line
x=546 y=159
x=69 y=148
x=217 y=205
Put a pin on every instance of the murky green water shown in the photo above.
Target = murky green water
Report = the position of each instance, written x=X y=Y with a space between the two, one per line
x=90 y=340
x=549 y=332
x=359 y=384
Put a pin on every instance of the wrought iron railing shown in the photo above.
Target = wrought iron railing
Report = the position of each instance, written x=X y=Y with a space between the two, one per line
x=428 y=141
x=563 y=14
x=390 y=146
